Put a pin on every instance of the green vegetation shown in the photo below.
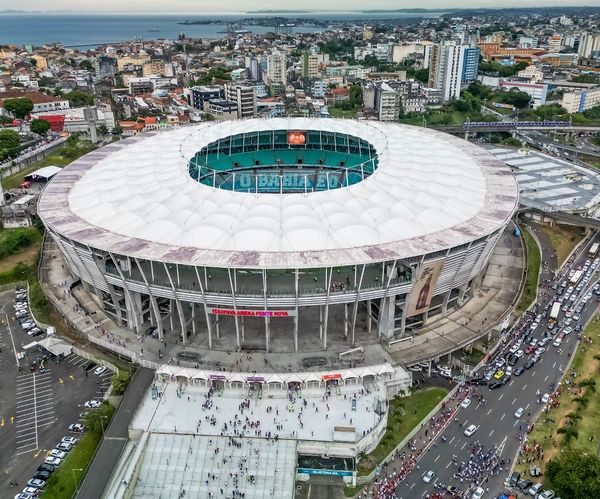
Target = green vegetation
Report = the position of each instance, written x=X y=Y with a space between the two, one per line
x=120 y=381
x=9 y=144
x=19 y=107
x=574 y=474
x=213 y=74
x=96 y=420
x=563 y=238
x=62 y=482
x=405 y=413
x=40 y=127
x=71 y=150
x=498 y=69
x=533 y=270
x=77 y=98
x=14 y=240
x=348 y=108
x=587 y=78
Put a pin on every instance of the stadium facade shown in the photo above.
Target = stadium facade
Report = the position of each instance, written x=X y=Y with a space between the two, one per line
x=275 y=224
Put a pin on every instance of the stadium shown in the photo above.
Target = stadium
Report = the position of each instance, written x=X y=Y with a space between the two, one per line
x=281 y=235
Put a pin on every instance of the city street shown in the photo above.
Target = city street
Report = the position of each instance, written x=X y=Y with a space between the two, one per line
x=497 y=427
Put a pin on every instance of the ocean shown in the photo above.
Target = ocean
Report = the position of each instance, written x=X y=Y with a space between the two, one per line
x=91 y=30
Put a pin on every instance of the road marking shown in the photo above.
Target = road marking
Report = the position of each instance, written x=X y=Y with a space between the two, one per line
x=502 y=416
x=553 y=365
x=513 y=402
x=533 y=373
x=489 y=412
x=527 y=407
x=463 y=446
x=500 y=397
x=448 y=465
x=524 y=386
x=546 y=378
x=452 y=440
x=435 y=460
x=411 y=487
x=491 y=433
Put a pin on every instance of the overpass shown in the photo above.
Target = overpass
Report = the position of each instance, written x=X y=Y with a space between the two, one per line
x=565 y=217
x=512 y=127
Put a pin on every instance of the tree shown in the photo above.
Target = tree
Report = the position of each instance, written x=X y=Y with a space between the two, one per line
x=40 y=127
x=117 y=131
x=103 y=130
x=97 y=419
x=9 y=143
x=569 y=432
x=77 y=98
x=120 y=381
x=85 y=64
x=574 y=474
x=422 y=75
x=19 y=107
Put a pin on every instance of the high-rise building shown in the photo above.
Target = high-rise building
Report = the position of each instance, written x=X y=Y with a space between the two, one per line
x=470 y=63
x=387 y=103
x=310 y=65
x=276 y=68
x=588 y=44
x=446 y=69
x=244 y=96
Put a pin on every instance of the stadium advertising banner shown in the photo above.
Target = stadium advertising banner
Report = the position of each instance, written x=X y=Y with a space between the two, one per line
x=422 y=291
x=297 y=138
x=252 y=313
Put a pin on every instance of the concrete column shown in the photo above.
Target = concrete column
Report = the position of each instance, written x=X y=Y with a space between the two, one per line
x=171 y=314
x=193 y=318
x=217 y=328
x=243 y=329
x=320 y=322
x=268 y=333
x=369 y=319
x=445 y=303
x=346 y=320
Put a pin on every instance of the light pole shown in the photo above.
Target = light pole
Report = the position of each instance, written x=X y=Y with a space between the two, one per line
x=73 y=470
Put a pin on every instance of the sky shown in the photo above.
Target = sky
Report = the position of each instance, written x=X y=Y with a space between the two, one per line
x=209 y=6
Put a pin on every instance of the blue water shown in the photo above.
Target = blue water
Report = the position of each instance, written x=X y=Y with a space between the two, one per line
x=90 y=30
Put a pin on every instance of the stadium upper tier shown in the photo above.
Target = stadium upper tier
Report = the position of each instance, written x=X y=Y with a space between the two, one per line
x=400 y=191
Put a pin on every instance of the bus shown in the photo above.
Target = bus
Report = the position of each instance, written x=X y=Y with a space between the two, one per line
x=554 y=314
x=576 y=276
x=593 y=250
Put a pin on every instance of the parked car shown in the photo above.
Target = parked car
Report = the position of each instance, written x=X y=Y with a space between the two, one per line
x=92 y=404
x=36 y=483
x=514 y=479
x=535 y=489
x=478 y=493
x=69 y=439
x=57 y=453
x=465 y=403
x=428 y=476
x=99 y=370
x=64 y=447
x=76 y=427
x=42 y=475
x=519 y=370
x=54 y=461
x=547 y=494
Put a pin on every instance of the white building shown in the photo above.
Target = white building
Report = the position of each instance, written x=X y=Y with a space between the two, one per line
x=537 y=91
x=276 y=68
x=532 y=73
x=244 y=96
x=446 y=69
x=576 y=102
x=588 y=44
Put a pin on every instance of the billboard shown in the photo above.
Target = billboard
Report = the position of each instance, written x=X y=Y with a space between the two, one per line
x=252 y=313
x=296 y=138
x=420 y=296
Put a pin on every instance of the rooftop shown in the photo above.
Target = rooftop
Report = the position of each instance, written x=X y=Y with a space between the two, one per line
x=431 y=191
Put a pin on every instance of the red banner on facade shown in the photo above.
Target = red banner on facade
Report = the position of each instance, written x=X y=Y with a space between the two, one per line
x=252 y=313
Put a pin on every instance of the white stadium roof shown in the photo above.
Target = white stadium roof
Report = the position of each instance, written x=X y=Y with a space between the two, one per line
x=135 y=197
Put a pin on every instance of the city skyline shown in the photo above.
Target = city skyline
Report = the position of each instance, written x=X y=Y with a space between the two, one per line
x=191 y=6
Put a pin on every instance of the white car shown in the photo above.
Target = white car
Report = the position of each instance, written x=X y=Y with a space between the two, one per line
x=478 y=494
x=57 y=453
x=470 y=430
x=99 y=370
x=54 y=461
x=519 y=412
x=568 y=330
x=546 y=398
x=76 y=427
x=35 y=483
x=514 y=348
x=415 y=368
x=519 y=353
x=428 y=476
x=92 y=404
x=69 y=440
x=465 y=403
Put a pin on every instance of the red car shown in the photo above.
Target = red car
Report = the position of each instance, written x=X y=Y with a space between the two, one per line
x=530 y=349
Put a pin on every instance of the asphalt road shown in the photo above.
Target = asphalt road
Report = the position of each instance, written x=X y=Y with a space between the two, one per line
x=35 y=408
x=495 y=420
x=99 y=471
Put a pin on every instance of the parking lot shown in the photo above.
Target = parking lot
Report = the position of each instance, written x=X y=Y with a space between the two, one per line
x=36 y=405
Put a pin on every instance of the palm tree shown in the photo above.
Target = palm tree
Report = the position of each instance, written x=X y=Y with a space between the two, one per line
x=569 y=433
x=572 y=416
x=582 y=401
